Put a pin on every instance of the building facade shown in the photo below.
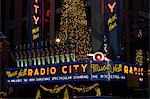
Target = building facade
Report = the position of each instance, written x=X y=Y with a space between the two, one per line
x=30 y=21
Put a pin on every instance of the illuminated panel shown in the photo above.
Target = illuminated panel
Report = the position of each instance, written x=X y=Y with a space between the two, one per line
x=36 y=20
x=113 y=10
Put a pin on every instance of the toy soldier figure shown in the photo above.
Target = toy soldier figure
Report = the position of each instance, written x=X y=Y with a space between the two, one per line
x=72 y=55
x=67 y=54
x=46 y=52
x=47 y=56
x=38 y=57
x=25 y=59
x=33 y=54
x=29 y=56
x=21 y=56
x=34 y=57
x=38 y=54
x=56 y=49
x=42 y=56
x=17 y=56
x=62 y=57
x=25 y=56
x=52 y=56
x=42 y=53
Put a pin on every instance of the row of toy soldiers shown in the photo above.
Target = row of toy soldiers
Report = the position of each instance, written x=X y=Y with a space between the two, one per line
x=42 y=56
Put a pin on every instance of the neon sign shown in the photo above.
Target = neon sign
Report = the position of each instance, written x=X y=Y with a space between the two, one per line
x=95 y=70
x=116 y=68
x=111 y=7
x=36 y=20
x=112 y=20
x=53 y=70
x=113 y=23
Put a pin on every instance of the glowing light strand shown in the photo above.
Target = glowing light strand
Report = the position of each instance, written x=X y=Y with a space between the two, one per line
x=73 y=28
x=139 y=57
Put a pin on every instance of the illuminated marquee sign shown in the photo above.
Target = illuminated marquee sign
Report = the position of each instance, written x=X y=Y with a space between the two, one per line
x=72 y=71
x=113 y=21
x=36 y=20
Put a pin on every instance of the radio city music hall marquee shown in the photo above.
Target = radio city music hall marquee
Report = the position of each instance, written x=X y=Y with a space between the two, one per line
x=89 y=70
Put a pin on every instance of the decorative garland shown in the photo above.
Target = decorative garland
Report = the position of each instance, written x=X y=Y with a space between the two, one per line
x=83 y=89
x=3 y=94
x=57 y=89
x=38 y=94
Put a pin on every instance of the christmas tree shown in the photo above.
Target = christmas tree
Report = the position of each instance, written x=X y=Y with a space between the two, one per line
x=73 y=28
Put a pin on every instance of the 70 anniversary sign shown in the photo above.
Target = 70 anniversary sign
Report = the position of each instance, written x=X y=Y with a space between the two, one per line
x=73 y=71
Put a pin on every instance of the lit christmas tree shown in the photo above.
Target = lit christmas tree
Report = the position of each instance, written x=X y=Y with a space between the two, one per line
x=73 y=28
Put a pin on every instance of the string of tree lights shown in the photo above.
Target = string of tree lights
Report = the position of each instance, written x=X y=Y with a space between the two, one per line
x=73 y=28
